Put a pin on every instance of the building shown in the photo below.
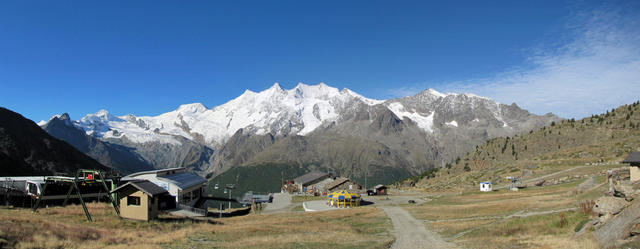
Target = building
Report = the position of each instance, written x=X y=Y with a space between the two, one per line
x=634 y=160
x=140 y=199
x=186 y=187
x=342 y=183
x=380 y=189
x=307 y=181
x=485 y=186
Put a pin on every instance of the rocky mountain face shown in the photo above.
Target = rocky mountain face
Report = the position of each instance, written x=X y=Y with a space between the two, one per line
x=316 y=125
x=25 y=149
x=125 y=159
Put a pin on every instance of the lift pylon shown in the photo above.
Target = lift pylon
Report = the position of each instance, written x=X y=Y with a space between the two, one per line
x=84 y=177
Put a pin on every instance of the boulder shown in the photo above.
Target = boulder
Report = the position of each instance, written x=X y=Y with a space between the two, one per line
x=609 y=205
x=619 y=227
x=626 y=189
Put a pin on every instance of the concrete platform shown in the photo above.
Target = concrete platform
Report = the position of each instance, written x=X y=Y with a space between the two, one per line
x=321 y=205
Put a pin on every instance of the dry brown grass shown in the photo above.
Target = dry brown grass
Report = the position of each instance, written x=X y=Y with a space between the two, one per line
x=67 y=228
x=478 y=220
x=452 y=228
x=497 y=203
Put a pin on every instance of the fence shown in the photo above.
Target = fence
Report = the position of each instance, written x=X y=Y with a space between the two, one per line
x=199 y=211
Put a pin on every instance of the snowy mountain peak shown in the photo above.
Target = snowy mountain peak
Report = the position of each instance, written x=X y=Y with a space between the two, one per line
x=436 y=93
x=192 y=108
x=101 y=116
x=319 y=91
x=277 y=111
x=367 y=101
x=276 y=87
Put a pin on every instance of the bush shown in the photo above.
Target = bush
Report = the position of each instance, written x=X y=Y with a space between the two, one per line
x=586 y=207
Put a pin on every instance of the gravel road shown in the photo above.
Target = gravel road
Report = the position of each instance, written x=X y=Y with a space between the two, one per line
x=411 y=233
x=281 y=202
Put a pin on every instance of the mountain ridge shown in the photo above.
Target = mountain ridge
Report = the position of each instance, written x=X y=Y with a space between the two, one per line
x=296 y=126
x=26 y=149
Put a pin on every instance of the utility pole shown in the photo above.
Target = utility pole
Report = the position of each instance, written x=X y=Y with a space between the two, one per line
x=229 y=187
x=365 y=177
x=229 y=198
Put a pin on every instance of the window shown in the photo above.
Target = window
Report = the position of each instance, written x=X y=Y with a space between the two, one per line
x=133 y=201
x=33 y=189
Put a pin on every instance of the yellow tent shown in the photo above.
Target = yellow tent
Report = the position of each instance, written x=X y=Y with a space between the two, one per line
x=343 y=198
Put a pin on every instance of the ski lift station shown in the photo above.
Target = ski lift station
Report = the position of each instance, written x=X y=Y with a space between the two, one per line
x=485 y=186
x=184 y=186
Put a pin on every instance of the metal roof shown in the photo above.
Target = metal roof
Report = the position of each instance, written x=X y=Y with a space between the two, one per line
x=132 y=176
x=184 y=180
x=634 y=157
x=145 y=186
x=310 y=177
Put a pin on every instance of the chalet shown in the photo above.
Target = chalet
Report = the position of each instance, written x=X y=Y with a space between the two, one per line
x=380 y=189
x=634 y=160
x=307 y=181
x=186 y=187
x=485 y=186
x=342 y=183
x=140 y=199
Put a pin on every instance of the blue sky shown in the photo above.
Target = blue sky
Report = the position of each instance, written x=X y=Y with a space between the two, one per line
x=148 y=57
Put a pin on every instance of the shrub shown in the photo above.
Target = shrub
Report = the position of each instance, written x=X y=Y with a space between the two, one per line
x=563 y=220
x=586 y=207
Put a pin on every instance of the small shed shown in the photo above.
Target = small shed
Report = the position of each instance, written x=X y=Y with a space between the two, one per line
x=343 y=183
x=139 y=200
x=380 y=189
x=485 y=186
x=634 y=160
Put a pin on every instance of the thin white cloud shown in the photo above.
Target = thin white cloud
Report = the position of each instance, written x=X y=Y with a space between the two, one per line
x=597 y=69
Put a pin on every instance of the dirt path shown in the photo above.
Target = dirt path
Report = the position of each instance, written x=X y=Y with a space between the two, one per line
x=536 y=179
x=411 y=233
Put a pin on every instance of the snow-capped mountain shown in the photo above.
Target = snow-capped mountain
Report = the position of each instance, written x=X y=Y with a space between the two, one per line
x=296 y=111
x=413 y=133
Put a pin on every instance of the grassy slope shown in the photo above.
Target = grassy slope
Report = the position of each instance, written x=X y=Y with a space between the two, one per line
x=485 y=220
x=60 y=227
x=606 y=138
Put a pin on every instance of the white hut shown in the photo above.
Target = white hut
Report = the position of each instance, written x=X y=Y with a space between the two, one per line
x=485 y=186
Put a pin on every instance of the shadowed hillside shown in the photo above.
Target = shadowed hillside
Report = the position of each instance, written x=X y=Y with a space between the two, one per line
x=26 y=149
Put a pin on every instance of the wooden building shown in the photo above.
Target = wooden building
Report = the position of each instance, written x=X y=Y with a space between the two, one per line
x=380 y=189
x=342 y=183
x=186 y=187
x=306 y=181
x=140 y=199
x=634 y=160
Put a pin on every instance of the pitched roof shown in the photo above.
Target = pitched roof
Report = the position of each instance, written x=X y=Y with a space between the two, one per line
x=634 y=157
x=143 y=185
x=379 y=186
x=337 y=182
x=309 y=177
x=184 y=180
x=132 y=176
